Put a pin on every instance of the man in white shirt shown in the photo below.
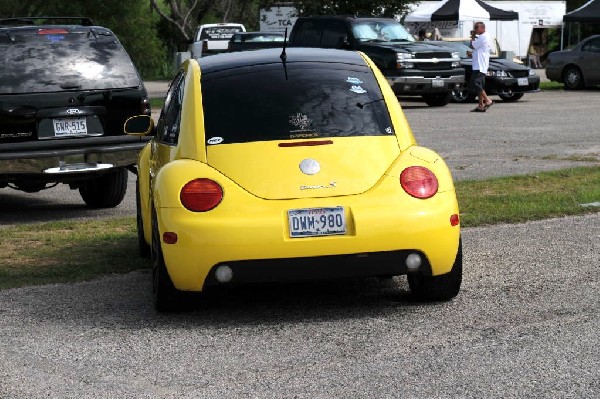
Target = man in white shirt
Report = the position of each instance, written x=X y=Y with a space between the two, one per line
x=481 y=43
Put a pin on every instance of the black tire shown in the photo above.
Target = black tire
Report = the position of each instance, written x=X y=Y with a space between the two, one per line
x=106 y=191
x=437 y=100
x=462 y=96
x=165 y=296
x=573 y=79
x=143 y=246
x=438 y=288
x=510 y=98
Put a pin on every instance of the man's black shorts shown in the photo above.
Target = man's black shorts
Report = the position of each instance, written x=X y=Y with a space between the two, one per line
x=477 y=83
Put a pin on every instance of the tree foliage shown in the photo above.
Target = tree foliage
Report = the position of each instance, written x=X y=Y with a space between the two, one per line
x=375 y=8
x=184 y=16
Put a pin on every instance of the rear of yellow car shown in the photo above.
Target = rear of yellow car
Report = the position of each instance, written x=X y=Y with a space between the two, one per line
x=296 y=168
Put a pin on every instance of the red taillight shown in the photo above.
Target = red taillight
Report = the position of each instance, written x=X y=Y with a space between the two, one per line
x=52 y=31
x=419 y=182
x=454 y=220
x=169 y=237
x=201 y=195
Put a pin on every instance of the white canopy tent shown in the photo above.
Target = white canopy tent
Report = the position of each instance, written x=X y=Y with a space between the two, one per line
x=455 y=18
x=460 y=10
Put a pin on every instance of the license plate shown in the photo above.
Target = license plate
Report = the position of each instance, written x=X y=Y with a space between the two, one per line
x=522 y=81
x=316 y=222
x=437 y=83
x=69 y=126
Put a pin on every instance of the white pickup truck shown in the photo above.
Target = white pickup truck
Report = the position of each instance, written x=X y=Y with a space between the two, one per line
x=213 y=38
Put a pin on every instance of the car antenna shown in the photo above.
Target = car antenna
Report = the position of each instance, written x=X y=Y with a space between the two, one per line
x=283 y=55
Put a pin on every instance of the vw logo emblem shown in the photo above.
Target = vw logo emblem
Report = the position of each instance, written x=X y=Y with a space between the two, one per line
x=310 y=166
x=73 y=111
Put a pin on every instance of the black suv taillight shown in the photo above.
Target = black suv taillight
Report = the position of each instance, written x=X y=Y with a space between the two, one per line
x=145 y=106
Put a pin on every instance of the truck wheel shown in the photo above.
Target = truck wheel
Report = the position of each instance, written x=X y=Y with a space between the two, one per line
x=509 y=98
x=106 y=191
x=438 y=288
x=438 y=99
x=462 y=96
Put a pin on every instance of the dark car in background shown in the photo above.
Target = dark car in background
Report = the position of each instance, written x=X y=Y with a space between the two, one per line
x=578 y=67
x=241 y=41
x=66 y=89
x=411 y=68
x=505 y=78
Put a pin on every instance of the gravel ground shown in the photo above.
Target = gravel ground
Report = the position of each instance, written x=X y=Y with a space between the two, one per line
x=524 y=325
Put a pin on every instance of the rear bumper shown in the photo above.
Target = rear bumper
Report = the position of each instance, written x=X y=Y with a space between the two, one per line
x=554 y=72
x=390 y=263
x=418 y=85
x=257 y=246
x=69 y=157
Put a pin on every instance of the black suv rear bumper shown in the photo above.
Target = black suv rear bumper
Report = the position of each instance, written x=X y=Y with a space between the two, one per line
x=53 y=157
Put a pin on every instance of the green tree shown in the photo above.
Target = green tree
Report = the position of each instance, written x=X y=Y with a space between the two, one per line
x=375 y=8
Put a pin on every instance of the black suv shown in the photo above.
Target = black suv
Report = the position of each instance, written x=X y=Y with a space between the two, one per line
x=411 y=68
x=65 y=92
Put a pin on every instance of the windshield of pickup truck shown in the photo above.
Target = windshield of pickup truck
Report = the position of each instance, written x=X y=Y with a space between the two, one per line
x=381 y=31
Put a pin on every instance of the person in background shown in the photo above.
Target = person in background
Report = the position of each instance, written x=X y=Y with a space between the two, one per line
x=481 y=43
x=422 y=35
x=534 y=59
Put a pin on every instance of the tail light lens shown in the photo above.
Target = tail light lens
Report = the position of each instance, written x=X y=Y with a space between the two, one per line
x=201 y=195
x=145 y=106
x=52 y=31
x=419 y=182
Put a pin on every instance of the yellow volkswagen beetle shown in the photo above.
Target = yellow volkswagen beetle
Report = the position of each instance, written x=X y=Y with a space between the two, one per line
x=276 y=165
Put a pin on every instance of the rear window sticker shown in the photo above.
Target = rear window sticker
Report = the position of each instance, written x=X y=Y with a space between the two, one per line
x=215 y=140
x=388 y=130
x=353 y=80
x=357 y=90
x=300 y=121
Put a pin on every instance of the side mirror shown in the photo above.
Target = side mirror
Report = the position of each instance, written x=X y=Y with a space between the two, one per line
x=139 y=125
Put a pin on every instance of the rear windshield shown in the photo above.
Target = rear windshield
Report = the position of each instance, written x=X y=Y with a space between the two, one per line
x=312 y=102
x=50 y=60
x=219 y=32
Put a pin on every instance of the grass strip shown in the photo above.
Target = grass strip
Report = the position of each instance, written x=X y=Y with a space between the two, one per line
x=69 y=251
x=551 y=86
x=530 y=197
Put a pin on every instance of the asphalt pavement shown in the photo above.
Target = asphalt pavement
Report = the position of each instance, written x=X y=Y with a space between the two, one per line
x=525 y=324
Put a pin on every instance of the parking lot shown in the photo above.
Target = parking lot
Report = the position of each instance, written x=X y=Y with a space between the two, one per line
x=524 y=325
x=544 y=131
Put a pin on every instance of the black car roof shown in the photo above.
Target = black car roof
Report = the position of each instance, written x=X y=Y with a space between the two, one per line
x=219 y=62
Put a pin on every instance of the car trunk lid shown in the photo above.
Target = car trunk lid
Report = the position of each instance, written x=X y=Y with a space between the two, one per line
x=303 y=169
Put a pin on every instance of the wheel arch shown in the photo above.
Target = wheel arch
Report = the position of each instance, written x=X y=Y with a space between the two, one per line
x=143 y=185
